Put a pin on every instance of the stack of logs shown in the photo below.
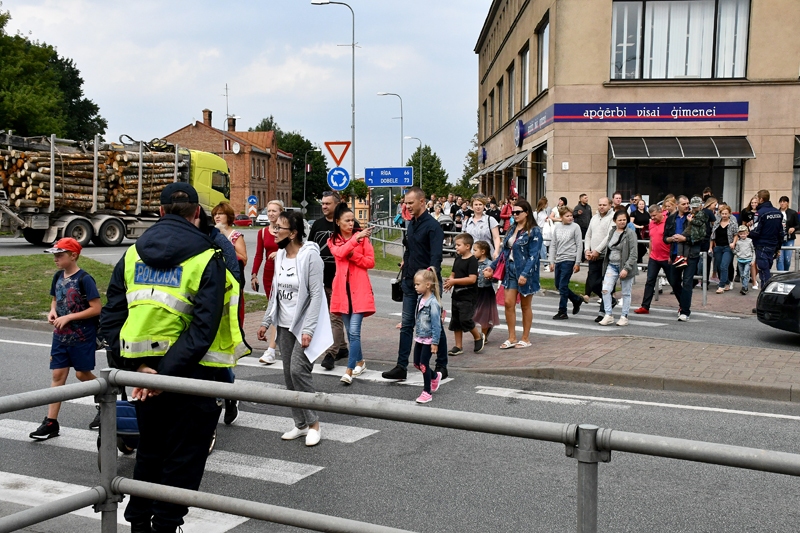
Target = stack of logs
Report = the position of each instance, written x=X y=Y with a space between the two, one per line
x=26 y=179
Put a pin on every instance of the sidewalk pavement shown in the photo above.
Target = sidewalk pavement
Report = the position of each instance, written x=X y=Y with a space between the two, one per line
x=619 y=360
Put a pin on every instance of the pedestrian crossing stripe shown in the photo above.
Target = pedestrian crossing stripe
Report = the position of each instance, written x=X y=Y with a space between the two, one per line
x=538 y=331
x=221 y=462
x=32 y=491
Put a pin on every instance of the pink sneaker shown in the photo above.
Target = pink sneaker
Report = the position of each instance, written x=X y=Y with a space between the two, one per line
x=424 y=397
x=435 y=382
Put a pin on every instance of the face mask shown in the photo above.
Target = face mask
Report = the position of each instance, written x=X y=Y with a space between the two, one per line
x=283 y=243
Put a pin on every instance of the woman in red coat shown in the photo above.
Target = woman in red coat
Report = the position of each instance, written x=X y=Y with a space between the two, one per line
x=351 y=294
x=266 y=248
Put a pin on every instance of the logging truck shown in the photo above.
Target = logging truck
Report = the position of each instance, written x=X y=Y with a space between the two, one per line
x=98 y=192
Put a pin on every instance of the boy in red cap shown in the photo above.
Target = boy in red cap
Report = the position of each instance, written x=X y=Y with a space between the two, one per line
x=73 y=309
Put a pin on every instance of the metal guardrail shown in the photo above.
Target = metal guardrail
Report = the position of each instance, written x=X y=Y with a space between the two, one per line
x=586 y=443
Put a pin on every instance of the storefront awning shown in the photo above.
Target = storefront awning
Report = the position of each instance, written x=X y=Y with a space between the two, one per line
x=680 y=148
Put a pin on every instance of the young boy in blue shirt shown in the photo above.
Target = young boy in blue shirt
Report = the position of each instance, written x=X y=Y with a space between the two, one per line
x=73 y=309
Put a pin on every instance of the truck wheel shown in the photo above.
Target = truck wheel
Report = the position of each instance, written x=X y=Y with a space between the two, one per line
x=33 y=236
x=80 y=230
x=112 y=231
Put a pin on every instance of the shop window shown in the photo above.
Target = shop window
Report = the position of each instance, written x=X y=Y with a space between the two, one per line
x=656 y=178
x=543 y=33
x=510 y=73
x=525 y=78
x=539 y=169
x=677 y=39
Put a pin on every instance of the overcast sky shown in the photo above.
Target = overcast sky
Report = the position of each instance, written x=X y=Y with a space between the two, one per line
x=153 y=66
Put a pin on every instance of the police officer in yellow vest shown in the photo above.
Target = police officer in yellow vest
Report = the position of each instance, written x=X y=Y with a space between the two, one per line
x=172 y=310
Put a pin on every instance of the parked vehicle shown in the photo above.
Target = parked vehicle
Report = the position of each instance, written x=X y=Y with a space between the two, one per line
x=54 y=188
x=262 y=219
x=778 y=304
x=242 y=220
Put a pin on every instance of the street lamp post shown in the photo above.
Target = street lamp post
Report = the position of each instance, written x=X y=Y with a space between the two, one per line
x=402 y=159
x=420 y=158
x=352 y=85
x=305 y=176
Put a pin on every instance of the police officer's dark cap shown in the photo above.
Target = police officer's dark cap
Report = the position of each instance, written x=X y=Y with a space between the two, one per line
x=179 y=186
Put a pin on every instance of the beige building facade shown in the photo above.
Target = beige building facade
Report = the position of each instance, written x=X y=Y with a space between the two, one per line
x=645 y=96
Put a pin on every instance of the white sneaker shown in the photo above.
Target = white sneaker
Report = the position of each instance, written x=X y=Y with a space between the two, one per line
x=269 y=357
x=295 y=433
x=755 y=286
x=313 y=437
x=359 y=369
x=607 y=320
x=623 y=321
x=347 y=379
x=683 y=318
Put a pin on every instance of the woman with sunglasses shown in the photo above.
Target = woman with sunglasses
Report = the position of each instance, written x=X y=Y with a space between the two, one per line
x=520 y=254
x=298 y=308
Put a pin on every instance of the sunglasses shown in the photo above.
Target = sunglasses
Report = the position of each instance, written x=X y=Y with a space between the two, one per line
x=517 y=212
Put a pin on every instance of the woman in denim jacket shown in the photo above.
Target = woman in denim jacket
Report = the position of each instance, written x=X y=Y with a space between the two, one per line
x=428 y=330
x=520 y=251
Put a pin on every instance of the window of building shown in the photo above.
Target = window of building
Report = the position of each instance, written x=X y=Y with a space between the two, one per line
x=485 y=121
x=491 y=112
x=543 y=33
x=539 y=169
x=510 y=73
x=796 y=175
x=525 y=78
x=252 y=168
x=677 y=39
x=500 y=103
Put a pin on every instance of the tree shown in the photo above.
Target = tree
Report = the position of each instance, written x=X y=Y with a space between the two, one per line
x=355 y=188
x=434 y=177
x=317 y=180
x=40 y=92
x=269 y=124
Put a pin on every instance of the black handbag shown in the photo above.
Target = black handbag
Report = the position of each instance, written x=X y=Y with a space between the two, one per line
x=397 y=289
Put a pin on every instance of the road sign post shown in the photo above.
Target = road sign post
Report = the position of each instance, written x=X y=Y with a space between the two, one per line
x=389 y=177
x=338 y=179
x=252 y=200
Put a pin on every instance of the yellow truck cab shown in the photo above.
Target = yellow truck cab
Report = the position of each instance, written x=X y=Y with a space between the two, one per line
x=209 y=176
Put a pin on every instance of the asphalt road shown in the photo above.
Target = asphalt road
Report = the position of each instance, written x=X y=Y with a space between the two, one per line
x=434 y=479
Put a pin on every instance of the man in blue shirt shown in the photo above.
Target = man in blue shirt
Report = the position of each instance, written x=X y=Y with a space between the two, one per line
x=423 y=248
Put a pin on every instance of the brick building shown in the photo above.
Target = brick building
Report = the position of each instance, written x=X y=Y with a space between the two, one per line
x=256 y=164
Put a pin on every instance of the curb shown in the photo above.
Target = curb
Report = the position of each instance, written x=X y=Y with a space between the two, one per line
x=25 y=323
x=785 y=393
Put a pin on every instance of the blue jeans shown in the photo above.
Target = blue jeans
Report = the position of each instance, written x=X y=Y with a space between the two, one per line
x=562 y=276
x=609 y=281
x=785 y=257
x=352 y=325
x=407 y=327
x=723 y=255
x=744 y=274
x=764 y=257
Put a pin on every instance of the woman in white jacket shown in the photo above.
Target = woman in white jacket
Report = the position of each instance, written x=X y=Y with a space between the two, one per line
x=297 y=306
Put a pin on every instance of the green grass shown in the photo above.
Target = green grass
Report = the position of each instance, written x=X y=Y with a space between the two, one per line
x=25 y=284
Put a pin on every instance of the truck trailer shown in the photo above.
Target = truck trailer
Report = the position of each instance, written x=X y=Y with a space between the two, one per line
x=98 y=192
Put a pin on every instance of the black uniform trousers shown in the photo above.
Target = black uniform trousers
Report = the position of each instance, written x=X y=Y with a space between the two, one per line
x=175 y=433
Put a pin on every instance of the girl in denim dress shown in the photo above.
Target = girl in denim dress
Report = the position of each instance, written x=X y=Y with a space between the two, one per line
x=427 y=329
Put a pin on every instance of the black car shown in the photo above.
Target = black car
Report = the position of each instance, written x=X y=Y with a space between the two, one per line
x=779 y=302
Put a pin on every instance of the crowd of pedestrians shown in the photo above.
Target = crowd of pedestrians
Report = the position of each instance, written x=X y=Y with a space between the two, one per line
x=176 y=303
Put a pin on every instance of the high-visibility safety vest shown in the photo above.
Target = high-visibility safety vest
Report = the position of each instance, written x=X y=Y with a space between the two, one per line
x=160 y=308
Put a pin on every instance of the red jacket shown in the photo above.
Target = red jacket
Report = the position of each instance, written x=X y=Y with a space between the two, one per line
x=505 y=215
x=352 y=269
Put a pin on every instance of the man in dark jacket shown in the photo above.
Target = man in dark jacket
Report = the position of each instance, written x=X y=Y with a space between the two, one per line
x=422 y=249
x=790 y=225
x=682 y=279
x=767 y=235
x=583 y=214
x=175 y=429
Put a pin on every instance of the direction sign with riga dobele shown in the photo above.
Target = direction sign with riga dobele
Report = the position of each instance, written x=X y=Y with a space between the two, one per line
x=389 y=177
